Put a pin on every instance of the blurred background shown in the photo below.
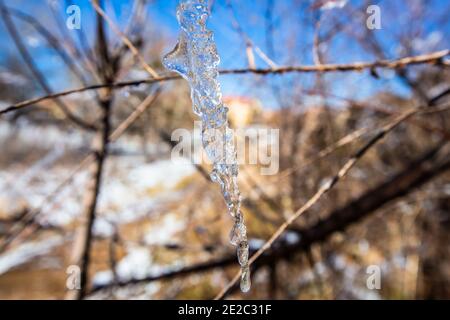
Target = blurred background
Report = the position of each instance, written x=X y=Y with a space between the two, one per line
x=90 y=197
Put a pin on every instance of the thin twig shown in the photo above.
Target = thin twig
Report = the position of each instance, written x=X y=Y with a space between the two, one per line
x=81 y=250
x=30 y=216
x=432 y=58
x=324 y=189
x=125 y=40
x=419 y=172
x=27 y=57
x=52 y=41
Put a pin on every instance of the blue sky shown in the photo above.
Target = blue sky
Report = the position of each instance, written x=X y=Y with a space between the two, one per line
x=292 y=22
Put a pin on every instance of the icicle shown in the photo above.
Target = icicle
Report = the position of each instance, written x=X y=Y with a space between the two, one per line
x=242 y=253
x=195 y=58
x=245 y=279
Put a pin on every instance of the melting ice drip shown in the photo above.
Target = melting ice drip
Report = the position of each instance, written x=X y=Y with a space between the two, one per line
x=195 y=58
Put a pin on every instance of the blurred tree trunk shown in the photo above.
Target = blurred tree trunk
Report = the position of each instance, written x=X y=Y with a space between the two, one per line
x=83 y=237
x=434 y=268
x=107 y=68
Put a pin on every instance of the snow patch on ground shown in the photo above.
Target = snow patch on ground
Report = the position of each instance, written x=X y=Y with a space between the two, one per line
x=163 y=233
x=26 y=252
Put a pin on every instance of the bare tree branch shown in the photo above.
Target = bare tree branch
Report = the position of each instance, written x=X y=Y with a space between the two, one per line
x=420 y=171
x=325 y=188
x=81 y=252
x=121 y=128
x=35 y=71
x=125 y=40
x=432 y=58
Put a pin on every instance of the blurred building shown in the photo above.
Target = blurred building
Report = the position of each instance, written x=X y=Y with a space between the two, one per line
x=242 y=110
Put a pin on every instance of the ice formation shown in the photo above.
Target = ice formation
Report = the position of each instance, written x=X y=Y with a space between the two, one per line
x=195 y=58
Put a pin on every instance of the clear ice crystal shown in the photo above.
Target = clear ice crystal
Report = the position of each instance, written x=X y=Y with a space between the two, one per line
x=238 y=234
x=245 y=279
x=242 y=253
x=196 y=59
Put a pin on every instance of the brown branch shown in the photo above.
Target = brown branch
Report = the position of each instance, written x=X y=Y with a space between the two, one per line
x=121 y=128
x=422 y=170
x=83 y=239
x=425 y=168
x=29 y=102
x=201 y=267
x=352 y=136
x=435 y=57
x=325 y=188
x=51 y=40
x=125 y=40
x=432 y=58
x=81 y=252
x=84 y=53
x=249 y=44
x=26 y=56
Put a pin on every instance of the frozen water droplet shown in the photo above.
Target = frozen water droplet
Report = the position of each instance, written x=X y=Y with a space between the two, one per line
x=245 y=279
x=238 y=233
x=242 y=253
x=177 y=60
